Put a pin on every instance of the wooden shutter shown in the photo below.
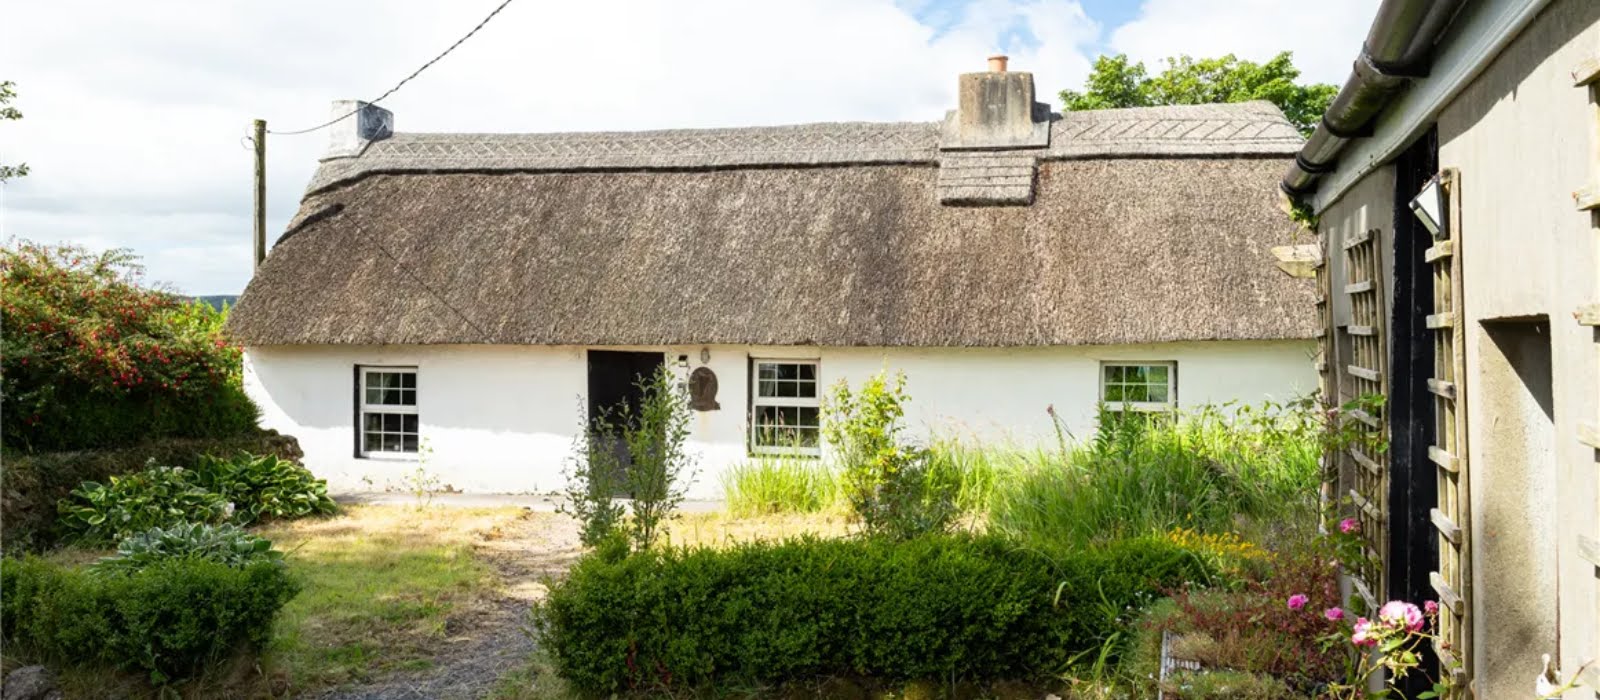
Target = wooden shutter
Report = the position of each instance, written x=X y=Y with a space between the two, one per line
x=1451 y=516
x=1365 y=371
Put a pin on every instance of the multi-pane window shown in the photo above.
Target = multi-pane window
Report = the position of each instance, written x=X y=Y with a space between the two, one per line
x=1143 y=386
x=388 y=410
x=784 y=413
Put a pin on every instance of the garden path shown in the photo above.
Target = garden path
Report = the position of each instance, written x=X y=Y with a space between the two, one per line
x=494 y=638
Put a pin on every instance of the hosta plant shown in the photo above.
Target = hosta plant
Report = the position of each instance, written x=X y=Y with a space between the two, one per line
x=224 y=544
x=264 y=487
x=156 y=497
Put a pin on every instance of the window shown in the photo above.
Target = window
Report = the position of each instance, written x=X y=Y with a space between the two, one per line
x=1144 y=386
x=388 y=411
x=784 y=414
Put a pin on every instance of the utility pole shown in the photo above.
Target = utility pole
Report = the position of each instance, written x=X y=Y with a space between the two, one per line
x=260 y=217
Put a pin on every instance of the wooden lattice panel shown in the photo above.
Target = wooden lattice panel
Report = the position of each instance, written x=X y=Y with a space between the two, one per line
x=1450 y=516
x=1330 y=463
x=1369 y=491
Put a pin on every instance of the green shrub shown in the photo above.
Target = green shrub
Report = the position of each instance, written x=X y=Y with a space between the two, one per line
x=90 y=359
x=264 y=487
x=1147 y=475
x=36 y=483
x=938 y=607
x=885 y=482
x=99 y=513
x=780 y=485
x=225 y=544
x=170 y=620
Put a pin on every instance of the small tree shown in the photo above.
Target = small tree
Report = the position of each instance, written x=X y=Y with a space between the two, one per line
x=657 y=436
x=887 y=484
x=654 y=439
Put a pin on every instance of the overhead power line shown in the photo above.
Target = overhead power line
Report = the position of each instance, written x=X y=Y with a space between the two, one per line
x=407 y=79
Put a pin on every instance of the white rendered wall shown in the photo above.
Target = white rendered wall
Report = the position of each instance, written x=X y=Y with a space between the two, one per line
x=503 y=418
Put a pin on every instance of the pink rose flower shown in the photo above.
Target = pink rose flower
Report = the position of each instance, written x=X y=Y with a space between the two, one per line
x=1333 y=614
x=1363 y=636
x=1298 y=601
x=1401 y=615
x=1430 y=608
x=1349 y=525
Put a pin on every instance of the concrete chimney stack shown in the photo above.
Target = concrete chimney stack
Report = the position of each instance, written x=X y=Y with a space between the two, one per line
x=360 y=125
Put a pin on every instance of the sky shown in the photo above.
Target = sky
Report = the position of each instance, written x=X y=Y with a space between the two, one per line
x=135 y=113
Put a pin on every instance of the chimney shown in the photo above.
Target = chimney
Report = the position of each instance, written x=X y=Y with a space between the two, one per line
x=989 y=146
x=358 y=125
x=996 y=110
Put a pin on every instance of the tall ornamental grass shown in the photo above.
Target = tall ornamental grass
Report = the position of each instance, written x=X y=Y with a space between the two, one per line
x=1211 y=470
x=780 y=484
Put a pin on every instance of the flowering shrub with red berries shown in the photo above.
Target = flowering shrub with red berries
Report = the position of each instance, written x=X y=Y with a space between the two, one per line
x=89 y=358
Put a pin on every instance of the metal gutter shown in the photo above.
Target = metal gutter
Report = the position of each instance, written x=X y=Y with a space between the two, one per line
x=1399 y=46
x=1480 y=31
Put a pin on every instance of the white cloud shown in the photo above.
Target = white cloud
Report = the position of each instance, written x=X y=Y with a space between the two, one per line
x=1325 y=36
x=134 y=112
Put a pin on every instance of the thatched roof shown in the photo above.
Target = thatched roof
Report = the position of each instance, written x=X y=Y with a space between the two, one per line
x=1144 y=225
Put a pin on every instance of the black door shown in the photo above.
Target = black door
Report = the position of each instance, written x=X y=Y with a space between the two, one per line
x=614 y=383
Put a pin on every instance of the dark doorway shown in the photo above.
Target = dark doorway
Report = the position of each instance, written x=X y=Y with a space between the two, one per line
x=614 y=379
x=1413 y=480
x=614 y=387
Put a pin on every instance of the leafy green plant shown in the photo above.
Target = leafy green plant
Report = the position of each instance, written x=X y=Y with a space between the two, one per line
x=639 y=452
x=659 y=465
x=156 y=497
x=888 y=485
x=224 y=544
x=172 y=619
x=943 y=607
x=92 y=359
x=264 y=487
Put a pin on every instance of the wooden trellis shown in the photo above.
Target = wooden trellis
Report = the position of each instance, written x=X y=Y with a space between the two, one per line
x=1370 y=483
x=1330 y=463
x=1586 y=75
x=1451 y=517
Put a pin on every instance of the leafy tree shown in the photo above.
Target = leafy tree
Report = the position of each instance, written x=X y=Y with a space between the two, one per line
x=7 y=113
x=1116 y=81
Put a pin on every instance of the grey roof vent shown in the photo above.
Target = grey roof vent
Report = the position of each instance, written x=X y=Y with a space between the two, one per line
x=357 y=125
x=990 y=145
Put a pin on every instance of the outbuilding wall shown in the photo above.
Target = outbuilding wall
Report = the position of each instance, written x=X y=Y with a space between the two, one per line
x=503 y=418
x=1523 y=138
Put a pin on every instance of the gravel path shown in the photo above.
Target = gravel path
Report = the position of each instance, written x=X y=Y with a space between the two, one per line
x=486 y=643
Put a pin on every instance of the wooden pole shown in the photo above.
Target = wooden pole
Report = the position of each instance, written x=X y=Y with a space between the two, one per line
x=260 y=217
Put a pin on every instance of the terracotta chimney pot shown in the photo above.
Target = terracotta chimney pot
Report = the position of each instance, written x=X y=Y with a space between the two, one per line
x=997 y=63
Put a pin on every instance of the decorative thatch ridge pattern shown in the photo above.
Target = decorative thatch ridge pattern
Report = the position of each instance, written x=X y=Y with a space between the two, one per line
x=1248 y=128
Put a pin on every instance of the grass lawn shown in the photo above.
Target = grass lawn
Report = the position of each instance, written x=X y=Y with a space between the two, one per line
x=380 y=586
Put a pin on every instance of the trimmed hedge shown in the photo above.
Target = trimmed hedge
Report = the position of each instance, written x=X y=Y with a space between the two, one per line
x=170 y=620
x=34 y=483
x=938 y=607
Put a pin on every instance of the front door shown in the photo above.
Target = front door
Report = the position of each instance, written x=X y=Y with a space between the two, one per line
x=615 y=389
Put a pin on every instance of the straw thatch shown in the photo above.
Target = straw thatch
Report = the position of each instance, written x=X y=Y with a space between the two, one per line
x=847 y=250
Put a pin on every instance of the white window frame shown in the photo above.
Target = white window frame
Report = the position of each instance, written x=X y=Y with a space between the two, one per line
x=389 y=409
x=757 y=401
x=1148 y=406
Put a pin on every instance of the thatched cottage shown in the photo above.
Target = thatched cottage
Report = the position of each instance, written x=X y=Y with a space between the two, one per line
x=1457 y=181
x=468 y=295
